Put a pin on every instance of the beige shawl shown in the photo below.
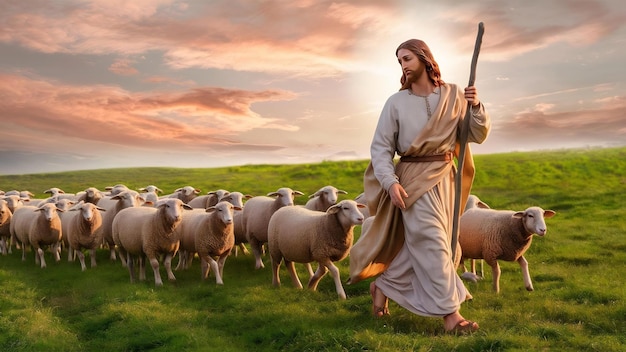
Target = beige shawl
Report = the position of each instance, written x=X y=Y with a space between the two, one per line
x=377 y=247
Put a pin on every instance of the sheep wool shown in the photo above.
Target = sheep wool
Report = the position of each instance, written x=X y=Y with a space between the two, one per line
x=300 y=235
x=494 y=235
x=37 y=227
x=149 y=232
x=257 y=214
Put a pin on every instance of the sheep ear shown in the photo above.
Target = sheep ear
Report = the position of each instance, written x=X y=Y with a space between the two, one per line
x=313 y=195
x=342 y=192
x=272 y=194
x=482 y=205
x=248 y=196
x=158 y=190
x=549 y=213
x=142 y=189
x=298 y=193
x=334 y=209
x=518 y=215
x=359 y=205
x=237 y=208
x=210 y=209
x=101 y=209
x=187 y=206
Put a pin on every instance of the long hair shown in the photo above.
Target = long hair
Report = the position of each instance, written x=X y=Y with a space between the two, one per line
x=421 y=50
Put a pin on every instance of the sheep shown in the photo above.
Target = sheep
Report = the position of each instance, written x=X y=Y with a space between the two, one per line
x=149 y=232
x=38 y=230
x=80 y=226
x=5 y=226
x=150 y=194
x=256 y=216
x=117 y=189
x=300 y=235
x=236 y=199
x=22 y=194
x=208 y=200
x=324 y=198
x=186 y=194
x=89 y=195
x=13 y=203
x=112 y=205
x=472 y=202
x=213 y=236
x=495 y=235
x=186 y=251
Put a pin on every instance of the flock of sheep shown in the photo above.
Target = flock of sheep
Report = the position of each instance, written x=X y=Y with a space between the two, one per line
x=146 y=226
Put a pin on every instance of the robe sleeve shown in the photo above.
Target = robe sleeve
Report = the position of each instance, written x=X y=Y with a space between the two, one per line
x=383 y=147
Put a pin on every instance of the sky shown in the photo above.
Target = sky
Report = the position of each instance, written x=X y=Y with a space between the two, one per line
x=196 y=83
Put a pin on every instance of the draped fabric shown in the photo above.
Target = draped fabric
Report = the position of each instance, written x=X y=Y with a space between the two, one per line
x=378 y=246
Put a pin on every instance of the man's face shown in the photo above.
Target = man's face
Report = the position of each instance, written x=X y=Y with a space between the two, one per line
x=411 y=65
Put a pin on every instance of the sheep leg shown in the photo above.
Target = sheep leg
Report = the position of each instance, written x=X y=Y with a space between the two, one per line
x=142 y=267
x=523 y=263
x=189 y=260
x=291 y=267
x=220 y=263
x=257 y=248
x=495 y=271
x=275 y=270
x=3 y=246
x=334 y=271
x=243 y=248
x=70 y=254
x=206 y=262
x=92 y=256
x=167 y=262
x=181 y=259
x=309 y=269
x=154 y=262
x=40 y=256
x=23 y=253
x=319 y=274
x=81 y=258
x=131 y=267
x=56 y=251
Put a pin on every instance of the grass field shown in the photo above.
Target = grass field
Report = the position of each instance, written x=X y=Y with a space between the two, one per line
x=577 y=270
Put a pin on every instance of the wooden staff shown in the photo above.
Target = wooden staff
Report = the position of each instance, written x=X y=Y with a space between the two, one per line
x=463 y=145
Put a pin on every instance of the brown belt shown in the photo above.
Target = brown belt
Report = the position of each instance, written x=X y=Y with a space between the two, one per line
x=447 y=157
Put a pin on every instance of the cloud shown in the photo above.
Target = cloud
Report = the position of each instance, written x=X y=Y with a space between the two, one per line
x=196 y=118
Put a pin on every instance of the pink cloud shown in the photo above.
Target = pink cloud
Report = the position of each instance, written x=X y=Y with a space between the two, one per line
x=197 y=118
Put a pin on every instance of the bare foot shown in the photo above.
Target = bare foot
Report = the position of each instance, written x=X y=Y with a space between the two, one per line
x=380 y=303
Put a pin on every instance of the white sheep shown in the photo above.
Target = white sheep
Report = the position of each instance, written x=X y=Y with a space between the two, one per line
x=150 y=194
x=142 y=232
x=22 y=194
x=472 y=202
x=185 y=252
x=299 y=235
x=13 y=203
x=213 y=237
x=324 y=198
x=186 y=194
x=208 y=200
x=89 y=195
x=117 y=189
x=5 y=226
x=112 y=205
x=81 y=226
x=495 y=235
x=237 y=199
x=256 y=216
x=37 y=227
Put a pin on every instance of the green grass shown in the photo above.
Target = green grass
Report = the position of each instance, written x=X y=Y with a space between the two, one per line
x=577 y=270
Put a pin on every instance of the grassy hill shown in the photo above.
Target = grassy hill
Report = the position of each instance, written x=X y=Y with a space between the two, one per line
x=577 y=270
